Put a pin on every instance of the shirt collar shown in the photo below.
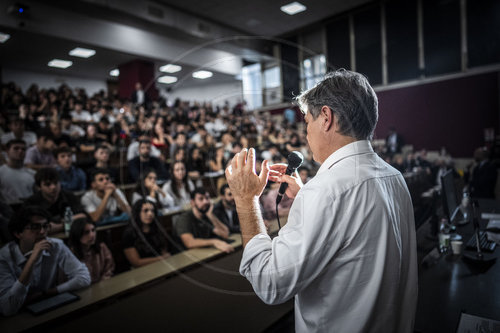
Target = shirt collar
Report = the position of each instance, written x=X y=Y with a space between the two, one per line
x=354 y=148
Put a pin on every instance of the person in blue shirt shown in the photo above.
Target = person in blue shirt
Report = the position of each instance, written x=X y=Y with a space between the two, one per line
x=71 y=177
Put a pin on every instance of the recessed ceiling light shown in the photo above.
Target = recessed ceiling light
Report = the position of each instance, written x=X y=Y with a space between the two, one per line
x=167 y=79
x=202 y=75
x=170 y=68
x=293 y=8
x=114 y=72
x=81 y=52
x=58 y=63
x=4 y=37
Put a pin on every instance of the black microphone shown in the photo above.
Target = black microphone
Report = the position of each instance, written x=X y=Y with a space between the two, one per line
x=295 y=160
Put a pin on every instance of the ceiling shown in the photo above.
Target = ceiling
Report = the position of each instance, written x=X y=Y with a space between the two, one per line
x=192 y=33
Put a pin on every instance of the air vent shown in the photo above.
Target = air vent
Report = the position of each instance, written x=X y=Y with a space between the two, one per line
x=155 y=11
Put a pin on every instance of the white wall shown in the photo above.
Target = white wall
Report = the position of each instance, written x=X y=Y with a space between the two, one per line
x=25 y=79
x=216 y=94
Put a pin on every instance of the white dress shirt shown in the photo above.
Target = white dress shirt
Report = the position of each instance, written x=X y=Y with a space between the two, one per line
x=348 y=251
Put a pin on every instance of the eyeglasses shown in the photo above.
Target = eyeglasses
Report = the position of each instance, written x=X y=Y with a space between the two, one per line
x=38 y=226
x=100 y=179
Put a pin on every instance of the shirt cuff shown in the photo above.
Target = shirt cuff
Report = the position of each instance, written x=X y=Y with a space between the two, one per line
x=259 y=243
x=18 y=288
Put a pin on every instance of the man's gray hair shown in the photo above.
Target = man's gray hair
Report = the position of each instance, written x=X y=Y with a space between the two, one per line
x=350 y=97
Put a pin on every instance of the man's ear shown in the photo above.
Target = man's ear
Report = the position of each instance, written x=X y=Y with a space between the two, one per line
x=327 y=117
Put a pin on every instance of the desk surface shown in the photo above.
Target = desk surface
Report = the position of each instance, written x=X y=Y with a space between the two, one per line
x=122 y=283
x=453 y=285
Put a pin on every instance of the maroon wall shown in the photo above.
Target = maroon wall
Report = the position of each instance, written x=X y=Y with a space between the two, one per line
x=451 y=114
x=137 y=71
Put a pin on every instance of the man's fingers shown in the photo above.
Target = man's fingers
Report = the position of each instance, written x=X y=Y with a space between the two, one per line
x=264 y=172
x=242 y=156
x=251 y=159
x=278 y=167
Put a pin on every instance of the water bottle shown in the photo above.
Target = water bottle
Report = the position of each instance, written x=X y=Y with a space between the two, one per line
x=465 y=204
x=68 y=219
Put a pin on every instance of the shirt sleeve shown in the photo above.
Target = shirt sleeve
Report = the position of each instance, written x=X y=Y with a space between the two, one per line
x=278 y=269
x=76 y=271
x=182 y=225
x=30 y=157
x=128 y=239
x=12 y=292
x=87 y=203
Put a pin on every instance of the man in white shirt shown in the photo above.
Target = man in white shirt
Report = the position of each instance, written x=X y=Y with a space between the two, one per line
x=17 y=131
x=16 y=181
x=348 y=251
x=79 y=114
x=105 y=203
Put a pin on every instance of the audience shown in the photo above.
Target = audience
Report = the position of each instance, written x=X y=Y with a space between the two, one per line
x=30 y=265
x=180 y=185
x=53 y=199
x=145 y=161
x=148 y=189
x=143 y=241
x=41 y=154
x=71 y=177
x=16 y=127
x=104 y=202
x=95 y=255
x=225 y=210
x=199 y=227
x=16 y=181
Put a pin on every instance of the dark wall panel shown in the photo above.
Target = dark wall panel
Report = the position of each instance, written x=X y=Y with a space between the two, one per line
x=367 y=41
x=290 y=69
x=450 y=114
x=402 y=40
x=483 y=32
x=338 y=44
x=441 y=36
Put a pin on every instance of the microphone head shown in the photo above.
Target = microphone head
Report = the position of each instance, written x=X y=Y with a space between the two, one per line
x=295 y=159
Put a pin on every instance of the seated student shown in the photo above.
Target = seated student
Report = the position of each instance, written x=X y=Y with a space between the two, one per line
x=148 y=189
x=199 y=227
x=145 y=161
x=133 y=148
x=225 y=209
x=40 y=155
x=95 y=255
x=104 y=202
x=54 y=200
x=72 y=178
x=16 y=126
x=180 y=185
x=100 y=160
x=16 y=181
x=30 y=265
x=143 y=242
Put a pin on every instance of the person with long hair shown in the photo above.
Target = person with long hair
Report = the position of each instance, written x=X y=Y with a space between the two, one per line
x=95 y=255
x=143 y=241
x=148 y=189
x=180 y=186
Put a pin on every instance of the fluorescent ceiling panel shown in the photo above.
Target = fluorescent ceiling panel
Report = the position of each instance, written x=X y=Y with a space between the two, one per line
x=81 y=52
x=170 y=68
x=167 y=79
x=293 y=8
x=202 y=75
x=58 y=63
